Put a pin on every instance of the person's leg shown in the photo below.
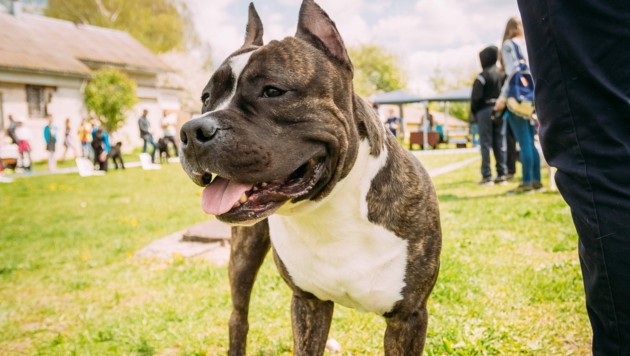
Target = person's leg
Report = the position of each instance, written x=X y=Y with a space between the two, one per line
x=535 y=156
x=498 y=148
x=153 y=151
x=521 y=129
x=582 y=83
x=510 y=148
x=485 y=141
x=52 y=163
x=144 y=144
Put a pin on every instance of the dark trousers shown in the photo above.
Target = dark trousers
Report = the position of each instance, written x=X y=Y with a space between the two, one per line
x=579 y=58
x=490 y=139
x=511 y=153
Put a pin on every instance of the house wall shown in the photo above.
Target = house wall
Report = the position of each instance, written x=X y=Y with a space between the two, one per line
x=66 y=101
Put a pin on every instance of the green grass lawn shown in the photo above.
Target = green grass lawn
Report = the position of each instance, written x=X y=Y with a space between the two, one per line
x=510 y=281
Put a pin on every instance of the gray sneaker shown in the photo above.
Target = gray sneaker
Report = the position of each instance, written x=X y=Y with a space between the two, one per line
x=486 y=182
x=501 y=180
x=522 y=189
x=538 y=187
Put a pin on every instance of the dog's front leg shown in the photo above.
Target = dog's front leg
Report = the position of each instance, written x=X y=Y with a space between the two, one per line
x=406 y=332
x=248 y=249
x=311 y=319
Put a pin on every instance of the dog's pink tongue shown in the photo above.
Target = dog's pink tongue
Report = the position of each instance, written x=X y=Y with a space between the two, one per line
x=219 y=197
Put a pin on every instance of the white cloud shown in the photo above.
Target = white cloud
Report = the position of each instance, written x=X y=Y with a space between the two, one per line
x=426 y=34
x=216 y=26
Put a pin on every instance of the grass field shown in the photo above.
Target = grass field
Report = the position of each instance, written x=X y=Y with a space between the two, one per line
x=510 y=280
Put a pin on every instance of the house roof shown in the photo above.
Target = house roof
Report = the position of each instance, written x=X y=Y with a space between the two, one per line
x=402 y=97
x=37 y=43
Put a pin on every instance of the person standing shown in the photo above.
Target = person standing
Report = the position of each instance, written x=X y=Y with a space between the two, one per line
x=580 y=67
x=50 y=135
x=85 y=136
x=485 y=90
x=11 y=129
x=168 y=126
x=23 y=136
x=145 y=133
x=67 y=141
x=393 y=123
x=524 y=129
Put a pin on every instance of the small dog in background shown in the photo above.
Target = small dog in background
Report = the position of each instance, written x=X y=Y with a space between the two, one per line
x=116 y=155
x=162 y=146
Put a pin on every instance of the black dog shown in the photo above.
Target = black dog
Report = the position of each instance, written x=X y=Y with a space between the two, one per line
x=116 y=155
x=162 y=146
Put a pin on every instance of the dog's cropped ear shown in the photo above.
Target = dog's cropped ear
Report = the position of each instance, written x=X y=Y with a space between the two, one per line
x=315 y=27
x=254 y=29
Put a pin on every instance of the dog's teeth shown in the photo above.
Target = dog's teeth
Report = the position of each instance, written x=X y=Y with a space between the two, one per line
x=263 y=184
x=255 y=189
x=243 y=199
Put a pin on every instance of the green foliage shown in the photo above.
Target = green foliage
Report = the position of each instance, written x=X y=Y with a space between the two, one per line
x=158 y=24
x=72 y=285
x=376 y=70
x=109 y=94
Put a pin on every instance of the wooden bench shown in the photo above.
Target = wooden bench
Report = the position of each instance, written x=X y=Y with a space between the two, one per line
x=417 y=138
x=459 y=138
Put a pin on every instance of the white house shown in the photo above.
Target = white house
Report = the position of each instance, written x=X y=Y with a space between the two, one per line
x=45 y=64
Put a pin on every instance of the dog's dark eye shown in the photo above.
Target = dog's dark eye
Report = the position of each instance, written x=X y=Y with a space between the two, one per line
x=272 y=92
x=205 y=100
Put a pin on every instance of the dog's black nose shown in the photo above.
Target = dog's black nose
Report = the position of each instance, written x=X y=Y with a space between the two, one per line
x=198 y=131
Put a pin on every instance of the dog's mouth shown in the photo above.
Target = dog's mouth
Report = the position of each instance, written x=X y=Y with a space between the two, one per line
x=232 y=201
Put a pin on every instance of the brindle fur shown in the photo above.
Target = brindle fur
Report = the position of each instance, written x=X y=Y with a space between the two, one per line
x=316 y=66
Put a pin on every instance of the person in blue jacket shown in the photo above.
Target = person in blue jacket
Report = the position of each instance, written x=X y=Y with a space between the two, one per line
x=50 y=135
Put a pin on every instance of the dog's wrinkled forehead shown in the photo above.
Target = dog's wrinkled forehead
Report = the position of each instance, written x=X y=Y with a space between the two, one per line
x=222 y=86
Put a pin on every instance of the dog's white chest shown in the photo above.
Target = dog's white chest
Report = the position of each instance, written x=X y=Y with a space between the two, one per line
x=335 y=253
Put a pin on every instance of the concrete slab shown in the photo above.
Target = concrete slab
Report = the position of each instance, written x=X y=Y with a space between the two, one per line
x=212 y=244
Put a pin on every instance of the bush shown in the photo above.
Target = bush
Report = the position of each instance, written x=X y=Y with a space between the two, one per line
x=109 y=95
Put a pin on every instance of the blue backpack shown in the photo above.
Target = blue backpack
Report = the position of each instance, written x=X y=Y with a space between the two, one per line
x=520 y=99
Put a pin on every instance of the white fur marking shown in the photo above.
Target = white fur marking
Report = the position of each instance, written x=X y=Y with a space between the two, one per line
x=237 y=64
x=330 y=248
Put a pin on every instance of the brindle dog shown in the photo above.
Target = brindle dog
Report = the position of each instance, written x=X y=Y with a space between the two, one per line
x=288 y=153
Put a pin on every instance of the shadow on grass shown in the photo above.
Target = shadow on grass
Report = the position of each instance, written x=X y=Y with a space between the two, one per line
x=453 y=197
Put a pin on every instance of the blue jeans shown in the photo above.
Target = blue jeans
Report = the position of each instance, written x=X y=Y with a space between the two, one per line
x=524 y=132
x=149 y=139
x=579 y=64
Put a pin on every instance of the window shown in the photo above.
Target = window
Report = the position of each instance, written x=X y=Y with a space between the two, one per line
x=37 y=100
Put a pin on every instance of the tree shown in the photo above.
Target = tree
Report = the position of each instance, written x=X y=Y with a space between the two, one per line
x=193 y=70
x=456 y=80
x=109 y=95
x=157 y=24
x=376 y=70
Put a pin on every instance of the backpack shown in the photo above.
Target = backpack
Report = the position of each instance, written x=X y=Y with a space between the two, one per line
x=520 y=100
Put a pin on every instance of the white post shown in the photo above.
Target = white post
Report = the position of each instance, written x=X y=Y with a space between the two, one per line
x=425 y=124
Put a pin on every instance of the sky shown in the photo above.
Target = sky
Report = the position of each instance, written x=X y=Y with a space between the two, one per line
x=425 y=34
